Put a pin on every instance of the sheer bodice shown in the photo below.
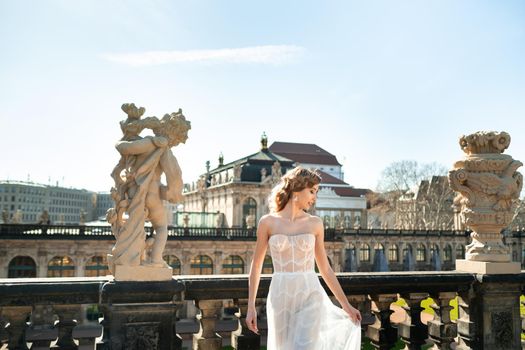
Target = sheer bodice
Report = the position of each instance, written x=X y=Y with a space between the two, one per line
x=300 y=314
x=292 y=253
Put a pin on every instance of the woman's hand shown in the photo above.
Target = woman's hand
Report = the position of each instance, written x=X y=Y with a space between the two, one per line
x=251 y=320
x=354 y=314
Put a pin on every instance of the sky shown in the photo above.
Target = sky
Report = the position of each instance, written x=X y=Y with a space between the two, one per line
x=372 y=82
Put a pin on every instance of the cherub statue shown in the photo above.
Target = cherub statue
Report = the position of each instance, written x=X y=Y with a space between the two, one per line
x=138 y=191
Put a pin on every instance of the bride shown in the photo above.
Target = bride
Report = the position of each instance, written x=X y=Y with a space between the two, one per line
x=300 y=314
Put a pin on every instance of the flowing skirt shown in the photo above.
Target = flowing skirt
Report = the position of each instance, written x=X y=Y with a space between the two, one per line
x=301 y=316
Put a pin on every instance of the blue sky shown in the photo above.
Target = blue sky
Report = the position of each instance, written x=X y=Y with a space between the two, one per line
x=372 y=82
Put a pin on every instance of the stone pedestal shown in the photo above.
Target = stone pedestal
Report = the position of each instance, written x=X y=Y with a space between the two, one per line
x=484 y=267
x=142 y=326
x=142 y=273
x=489 y=318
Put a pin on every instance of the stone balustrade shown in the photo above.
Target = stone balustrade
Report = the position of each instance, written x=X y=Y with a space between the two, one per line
x=41 y=313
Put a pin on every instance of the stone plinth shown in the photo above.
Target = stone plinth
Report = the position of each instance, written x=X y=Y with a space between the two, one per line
x=142 y=273
x=487 y=267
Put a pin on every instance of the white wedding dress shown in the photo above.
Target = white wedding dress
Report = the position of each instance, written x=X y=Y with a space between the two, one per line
x=300 y=314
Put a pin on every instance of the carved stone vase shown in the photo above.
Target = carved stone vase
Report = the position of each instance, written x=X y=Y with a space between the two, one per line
x=487 y=186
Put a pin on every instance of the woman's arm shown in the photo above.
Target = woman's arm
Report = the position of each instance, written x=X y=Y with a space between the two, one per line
x=328 y=274
x=255 y=271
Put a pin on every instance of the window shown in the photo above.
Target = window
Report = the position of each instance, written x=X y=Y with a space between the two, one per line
x=233 y=265
x=421 y=252
x=201 y=265
x=447 y=253
x=460 y=251
x=22 y=267
x=364 y=252
x=267 y=267
x=61 y=266
x=393 y=253
x=97 y=266
x=174 y=262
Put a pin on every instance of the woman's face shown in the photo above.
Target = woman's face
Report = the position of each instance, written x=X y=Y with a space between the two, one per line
x=306 y=198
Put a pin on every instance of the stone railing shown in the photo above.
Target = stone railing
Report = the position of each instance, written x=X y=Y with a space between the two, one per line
x=31 y=231
x=142 y=315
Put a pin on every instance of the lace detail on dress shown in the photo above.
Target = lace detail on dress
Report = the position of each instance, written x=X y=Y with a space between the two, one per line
x=292 y=253
x=300 y=314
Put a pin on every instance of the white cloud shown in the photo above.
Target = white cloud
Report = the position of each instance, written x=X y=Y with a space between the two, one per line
x=270 y=54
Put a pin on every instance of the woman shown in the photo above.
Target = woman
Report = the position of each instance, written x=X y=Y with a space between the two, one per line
x=300 y=314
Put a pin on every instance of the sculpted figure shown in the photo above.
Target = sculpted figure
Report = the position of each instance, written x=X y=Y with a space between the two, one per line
x=138 y=192
x=5 y=216
x=44 y=218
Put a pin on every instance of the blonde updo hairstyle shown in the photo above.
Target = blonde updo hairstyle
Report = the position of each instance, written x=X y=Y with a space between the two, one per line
x=294 y=180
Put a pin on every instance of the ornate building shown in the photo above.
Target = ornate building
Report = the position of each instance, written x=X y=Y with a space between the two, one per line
x=67 y=251
x=237 y=190
x=235 y=194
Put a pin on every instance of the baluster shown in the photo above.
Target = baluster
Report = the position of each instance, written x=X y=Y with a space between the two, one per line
x=243 y=338
x=412 y=331
x=42 y=330
x=207 y=339
x=381 y=332
x=441 y=329
x=87 y=331
x=17 y=317
x=465 y=327
x=67 y=320
x=4 y=337
x=522 y=327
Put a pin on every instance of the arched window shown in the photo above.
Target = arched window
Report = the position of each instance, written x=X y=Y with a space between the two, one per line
x=460 y=251
x=22 y=267
x=393 y=253
x=201 y=265
x=97 y=266
x=233 y=265
x=421 y=252
x=267 y=267
x=447 y=253
x=364 y=252
x=61 y=266
x=174 y=262
x=249 y=212
x=379 y=246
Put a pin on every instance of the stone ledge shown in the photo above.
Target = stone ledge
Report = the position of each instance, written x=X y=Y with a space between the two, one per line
x=488 y=267
x=142 y=273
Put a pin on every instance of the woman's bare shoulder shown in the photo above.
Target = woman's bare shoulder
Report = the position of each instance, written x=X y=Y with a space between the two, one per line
x=267 y=219
x=314 y=219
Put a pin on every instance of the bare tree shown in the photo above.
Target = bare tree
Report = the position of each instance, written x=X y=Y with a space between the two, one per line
x=414 y=201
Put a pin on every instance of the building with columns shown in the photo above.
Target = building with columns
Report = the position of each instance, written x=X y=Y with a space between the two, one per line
x=53 y=251
x=236 y=193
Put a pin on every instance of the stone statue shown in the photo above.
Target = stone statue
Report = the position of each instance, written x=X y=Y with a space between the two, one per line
x=250 y=221
x=237 y=170
x=5 y=216
x=219 y=220
x=276 y=170
x=263 y=174
x=488 y=185
x=44 y=218
x=17 y=217
x=186 y=220
x=138 y=193
x=82 y=220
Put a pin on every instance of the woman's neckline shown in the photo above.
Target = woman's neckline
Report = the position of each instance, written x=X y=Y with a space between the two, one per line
x=290 y=235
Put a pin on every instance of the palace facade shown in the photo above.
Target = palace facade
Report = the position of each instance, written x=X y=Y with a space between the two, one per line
x=236 y=194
